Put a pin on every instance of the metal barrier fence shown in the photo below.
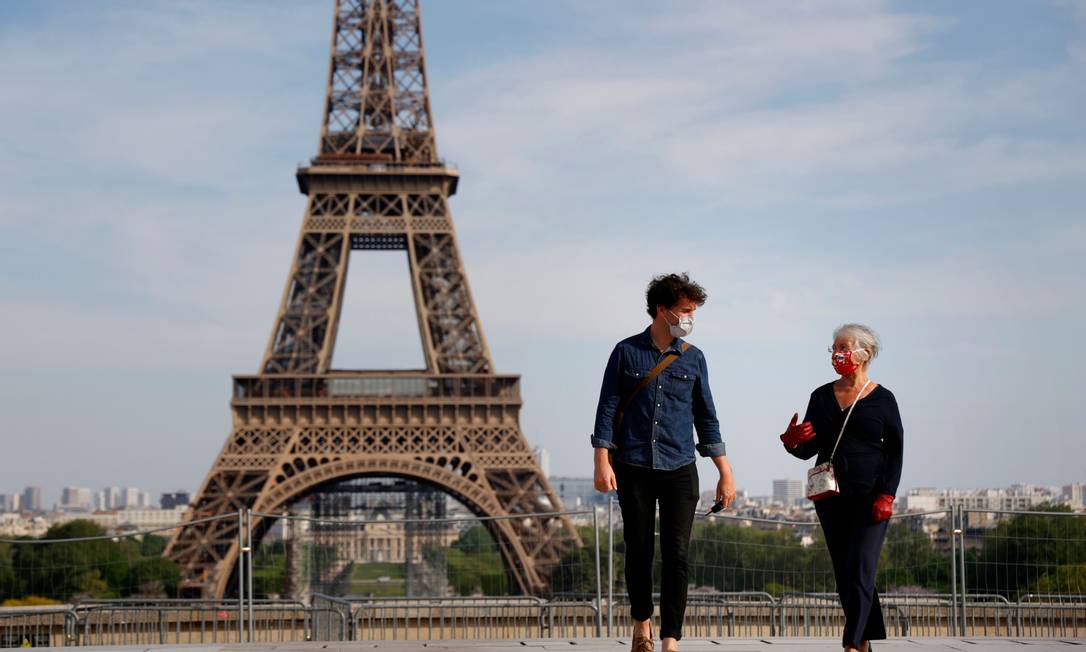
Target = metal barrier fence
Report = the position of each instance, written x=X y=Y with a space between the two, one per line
x=390 y=562
x=1035 y=559
x=958 y=572
x=133 y=622
x=37 y=626
x=453 y=618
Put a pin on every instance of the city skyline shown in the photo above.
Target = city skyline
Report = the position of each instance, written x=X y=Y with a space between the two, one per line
x=879 y=162
x=48 y=492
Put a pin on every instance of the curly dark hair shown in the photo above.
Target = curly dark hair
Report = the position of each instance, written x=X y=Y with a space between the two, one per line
x=668 y=289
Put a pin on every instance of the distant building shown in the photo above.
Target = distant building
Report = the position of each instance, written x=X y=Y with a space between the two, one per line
x=387 y=542
x=149 y=519
x=787 y=492
x=111 y=499
x=543 y=458
x=7 y=502
x=130 y=499
x=75 y=499
x=1016 y=498
x=176 y=499
x=1073 y=496
x=31 y=501
x=576 y=493
x=16 y=525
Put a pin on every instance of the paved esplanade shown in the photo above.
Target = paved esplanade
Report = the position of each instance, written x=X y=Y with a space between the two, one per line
x=616 y=645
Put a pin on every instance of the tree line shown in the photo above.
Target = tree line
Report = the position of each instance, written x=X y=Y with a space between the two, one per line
x=71 y=571
x=1023 y=554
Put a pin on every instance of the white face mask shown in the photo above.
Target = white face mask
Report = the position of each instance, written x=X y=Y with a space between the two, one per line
x=683 y=328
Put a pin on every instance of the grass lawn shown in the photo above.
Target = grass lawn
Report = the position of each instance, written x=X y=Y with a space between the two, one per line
x=364 y=579
x=373 y=570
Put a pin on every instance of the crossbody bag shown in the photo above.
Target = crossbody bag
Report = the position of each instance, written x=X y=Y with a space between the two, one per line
x=822 y=480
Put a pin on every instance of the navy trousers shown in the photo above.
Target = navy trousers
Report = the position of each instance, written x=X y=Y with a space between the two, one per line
x=855 y=541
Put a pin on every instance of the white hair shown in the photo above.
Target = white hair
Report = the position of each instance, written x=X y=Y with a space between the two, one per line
x=864 y=338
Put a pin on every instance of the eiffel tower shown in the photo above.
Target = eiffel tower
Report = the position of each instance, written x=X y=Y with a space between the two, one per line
x=376 y=184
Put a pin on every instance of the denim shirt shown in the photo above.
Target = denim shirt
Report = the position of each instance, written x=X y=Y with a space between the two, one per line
x=657 y=429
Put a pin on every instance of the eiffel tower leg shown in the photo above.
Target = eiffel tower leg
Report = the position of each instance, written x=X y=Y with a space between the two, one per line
x=279 y=452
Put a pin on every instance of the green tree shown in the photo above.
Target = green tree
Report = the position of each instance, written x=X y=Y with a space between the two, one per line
x=75 y=560
x=70 y=569
x=909 y=560
x=1063 y=580
x=474 y=565
x=10 y=585
x=270 y=569
x=1018 y=552
x=152 y=545
x=156 y=577
x=730 y=557
x=576 y=571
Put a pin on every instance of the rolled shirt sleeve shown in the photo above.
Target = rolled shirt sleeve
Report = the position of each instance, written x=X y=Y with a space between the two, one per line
x=603 y=434
x=706 y=423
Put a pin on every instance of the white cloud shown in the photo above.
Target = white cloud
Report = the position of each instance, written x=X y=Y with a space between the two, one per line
x=762 y=103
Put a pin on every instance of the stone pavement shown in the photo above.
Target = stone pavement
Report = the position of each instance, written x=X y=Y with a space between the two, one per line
x=618 y=645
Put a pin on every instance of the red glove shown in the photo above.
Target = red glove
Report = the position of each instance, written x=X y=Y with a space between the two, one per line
x=797 y=434
x=883 y=508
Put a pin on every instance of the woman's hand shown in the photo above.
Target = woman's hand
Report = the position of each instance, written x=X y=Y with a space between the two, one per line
x=604 y=476
x=796 y=434
x=883 y=508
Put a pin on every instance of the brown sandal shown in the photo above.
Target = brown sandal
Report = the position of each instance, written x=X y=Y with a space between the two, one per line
x=641 y=643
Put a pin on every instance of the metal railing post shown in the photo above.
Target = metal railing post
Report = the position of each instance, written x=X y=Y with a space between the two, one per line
x=71 y=628
x=599 y=587
x=952 y=623
x=241 y=576
x=249 y=566
x=610 y=564
x=961 y=556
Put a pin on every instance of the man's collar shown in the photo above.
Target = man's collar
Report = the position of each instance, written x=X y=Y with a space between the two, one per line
x=646 y=339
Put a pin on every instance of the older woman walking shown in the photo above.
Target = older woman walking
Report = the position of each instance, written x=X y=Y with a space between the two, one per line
x=854 y=423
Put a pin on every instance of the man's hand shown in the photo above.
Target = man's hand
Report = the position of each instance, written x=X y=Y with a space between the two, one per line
x=725 y=490
x=795 y=434
x=725 y=487
x=883 y=508
x=604 y=476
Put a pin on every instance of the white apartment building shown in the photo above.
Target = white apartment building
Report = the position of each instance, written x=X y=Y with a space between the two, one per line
x=1074 y=495
x=1016 y=498
x=149 y=519
x=16 y=525
x=75 y=498
x=788 y=492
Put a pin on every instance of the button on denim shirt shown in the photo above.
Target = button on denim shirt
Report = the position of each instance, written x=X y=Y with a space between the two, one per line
x=657 y=428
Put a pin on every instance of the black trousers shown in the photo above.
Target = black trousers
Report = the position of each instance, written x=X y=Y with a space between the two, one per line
x=639 y=489
x=855 y=541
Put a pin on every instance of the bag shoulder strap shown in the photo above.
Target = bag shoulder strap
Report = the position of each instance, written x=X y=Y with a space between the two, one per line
x=649 y=377
x=850 y=409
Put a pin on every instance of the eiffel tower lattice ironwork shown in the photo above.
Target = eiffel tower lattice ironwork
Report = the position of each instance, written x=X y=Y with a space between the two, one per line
x=377 y=183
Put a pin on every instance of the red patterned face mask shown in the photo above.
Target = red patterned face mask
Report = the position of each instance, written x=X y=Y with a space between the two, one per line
x=843 y=362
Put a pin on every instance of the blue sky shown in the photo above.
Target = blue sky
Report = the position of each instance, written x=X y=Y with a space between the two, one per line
x=915 y=166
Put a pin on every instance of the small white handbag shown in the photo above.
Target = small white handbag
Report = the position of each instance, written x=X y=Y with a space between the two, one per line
x=821 y=480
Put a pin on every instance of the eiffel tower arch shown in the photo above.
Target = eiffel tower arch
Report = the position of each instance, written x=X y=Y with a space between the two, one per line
x=376 y=184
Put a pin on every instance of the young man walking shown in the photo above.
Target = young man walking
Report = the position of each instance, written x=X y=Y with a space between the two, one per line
x=655 y=394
